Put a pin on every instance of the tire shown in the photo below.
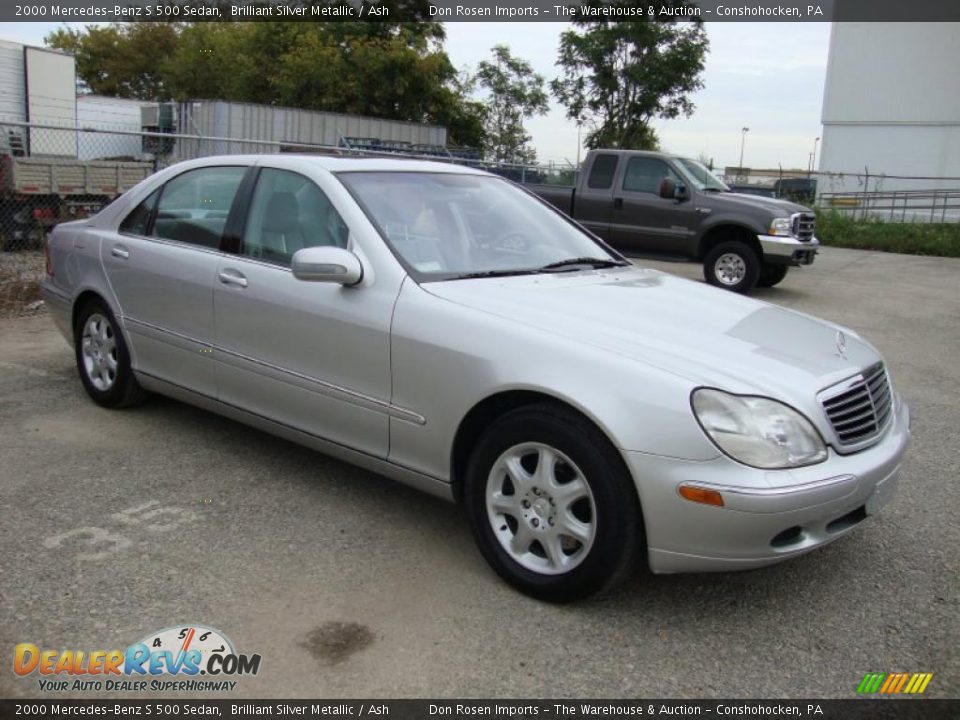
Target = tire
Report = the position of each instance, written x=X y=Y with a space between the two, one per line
x=732 y=265
x=771 y=275
x=586 y=490
x=103 y=360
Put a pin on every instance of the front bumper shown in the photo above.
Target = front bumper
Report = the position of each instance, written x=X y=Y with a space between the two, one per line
x=768 y=516
x=781 y=250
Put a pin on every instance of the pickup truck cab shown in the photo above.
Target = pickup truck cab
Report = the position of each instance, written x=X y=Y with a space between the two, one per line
x=653 y=202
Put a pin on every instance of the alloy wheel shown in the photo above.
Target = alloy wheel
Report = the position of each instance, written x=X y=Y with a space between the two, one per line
x=541 y=508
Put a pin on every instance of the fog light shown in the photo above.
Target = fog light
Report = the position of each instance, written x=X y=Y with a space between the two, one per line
x=701 y=495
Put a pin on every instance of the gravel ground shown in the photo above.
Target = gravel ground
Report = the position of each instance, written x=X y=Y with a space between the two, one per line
x=19 y=274
x=116 y=524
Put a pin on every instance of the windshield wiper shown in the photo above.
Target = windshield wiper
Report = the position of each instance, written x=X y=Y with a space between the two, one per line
x=592 y=261
x=493 y=273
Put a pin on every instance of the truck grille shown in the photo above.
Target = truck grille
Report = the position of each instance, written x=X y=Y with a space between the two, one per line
x=859 y=408
x=802 y=225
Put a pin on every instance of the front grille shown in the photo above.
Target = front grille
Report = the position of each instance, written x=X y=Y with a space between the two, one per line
x=859 y=408
x=802 y=225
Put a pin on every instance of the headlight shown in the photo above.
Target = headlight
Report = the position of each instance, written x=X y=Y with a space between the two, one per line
x=781 y=226
x=758 y=431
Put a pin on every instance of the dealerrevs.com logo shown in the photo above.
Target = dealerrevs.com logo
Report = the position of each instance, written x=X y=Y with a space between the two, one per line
x=182 y=658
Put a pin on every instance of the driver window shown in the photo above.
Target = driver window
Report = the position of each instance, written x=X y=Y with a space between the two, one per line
x=289 y=212
x=644 y=174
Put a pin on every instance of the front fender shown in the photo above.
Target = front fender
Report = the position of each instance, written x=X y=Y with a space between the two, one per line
x=447 y=358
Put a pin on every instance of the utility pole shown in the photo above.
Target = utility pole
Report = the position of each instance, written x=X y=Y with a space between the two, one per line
x=743 y=138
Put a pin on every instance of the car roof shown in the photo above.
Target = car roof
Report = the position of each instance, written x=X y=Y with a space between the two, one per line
x=339 y=163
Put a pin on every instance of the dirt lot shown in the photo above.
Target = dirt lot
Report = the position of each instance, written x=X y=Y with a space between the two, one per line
x=116 y=524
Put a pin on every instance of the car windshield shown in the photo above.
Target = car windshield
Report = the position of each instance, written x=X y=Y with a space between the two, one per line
x=700 y=175
x=447 y=225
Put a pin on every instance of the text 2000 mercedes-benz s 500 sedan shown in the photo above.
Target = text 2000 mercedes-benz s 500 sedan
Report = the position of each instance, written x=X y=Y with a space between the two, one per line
x=446 y=328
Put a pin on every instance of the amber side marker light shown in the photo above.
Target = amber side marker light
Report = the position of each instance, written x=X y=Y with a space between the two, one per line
x=701 y=495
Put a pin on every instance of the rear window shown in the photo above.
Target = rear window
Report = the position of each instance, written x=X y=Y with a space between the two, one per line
x=194 y=206
x=602 y=172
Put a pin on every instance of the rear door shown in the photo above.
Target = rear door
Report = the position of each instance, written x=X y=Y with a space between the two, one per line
x=161 y=265
x=591 y=205
x=641 y=219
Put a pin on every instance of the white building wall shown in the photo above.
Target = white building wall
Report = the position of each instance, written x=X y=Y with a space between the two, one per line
x=892 y=105
x=108 y=113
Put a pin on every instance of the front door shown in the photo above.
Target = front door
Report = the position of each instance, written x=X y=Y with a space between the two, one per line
x=312 y=356
x=641 y=219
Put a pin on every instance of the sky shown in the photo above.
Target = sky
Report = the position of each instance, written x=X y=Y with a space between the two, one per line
x=768 y=77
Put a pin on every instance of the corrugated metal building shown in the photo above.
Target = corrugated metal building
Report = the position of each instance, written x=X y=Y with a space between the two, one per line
x=286 y=126
x=39 y=85
x=13 y=97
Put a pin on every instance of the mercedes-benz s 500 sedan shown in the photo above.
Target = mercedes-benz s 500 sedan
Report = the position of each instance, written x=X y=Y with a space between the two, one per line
x=446 y=328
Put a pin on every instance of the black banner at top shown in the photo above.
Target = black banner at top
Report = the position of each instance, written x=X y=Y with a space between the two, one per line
x=482 y=10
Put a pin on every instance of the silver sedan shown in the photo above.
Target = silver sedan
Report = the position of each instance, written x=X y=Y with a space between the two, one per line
x=445 y=328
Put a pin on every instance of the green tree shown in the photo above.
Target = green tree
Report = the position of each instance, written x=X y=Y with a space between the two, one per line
x=121 y=59
x=513 y=93
x=618 y=76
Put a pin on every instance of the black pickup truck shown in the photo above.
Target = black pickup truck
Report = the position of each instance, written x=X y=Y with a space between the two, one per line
x=651 y=202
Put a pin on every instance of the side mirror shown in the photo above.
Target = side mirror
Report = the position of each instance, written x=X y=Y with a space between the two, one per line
x=325 y=263
x=669 y=190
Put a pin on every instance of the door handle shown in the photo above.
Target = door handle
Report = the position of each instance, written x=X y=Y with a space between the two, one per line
x=119 y=251
x=232 y=277
x=617 y=203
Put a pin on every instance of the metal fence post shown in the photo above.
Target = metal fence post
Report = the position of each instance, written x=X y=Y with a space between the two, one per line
x=866 y=190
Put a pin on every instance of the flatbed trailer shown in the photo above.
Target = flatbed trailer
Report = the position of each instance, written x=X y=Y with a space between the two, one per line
x=38 y=192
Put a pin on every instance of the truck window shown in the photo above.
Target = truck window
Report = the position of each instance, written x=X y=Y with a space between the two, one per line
x=644 y=174
x=602 y=172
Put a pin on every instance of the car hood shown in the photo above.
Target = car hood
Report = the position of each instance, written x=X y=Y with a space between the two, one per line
x=774 y=206
x=710 y=336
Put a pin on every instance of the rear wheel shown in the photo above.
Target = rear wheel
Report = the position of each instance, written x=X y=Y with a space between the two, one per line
x=103 y=359
x=551 y=505
x=732 y=265
x=771 y=275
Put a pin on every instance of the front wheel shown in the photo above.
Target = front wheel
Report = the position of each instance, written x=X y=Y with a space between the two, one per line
x=732 y=265
x=103 y=359
x=551 y=505
x=771 y=275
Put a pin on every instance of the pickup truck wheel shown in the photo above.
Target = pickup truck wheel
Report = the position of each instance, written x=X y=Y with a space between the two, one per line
x=551 y=505
x=103 y=359
x=771 y=275
x=732 y=265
